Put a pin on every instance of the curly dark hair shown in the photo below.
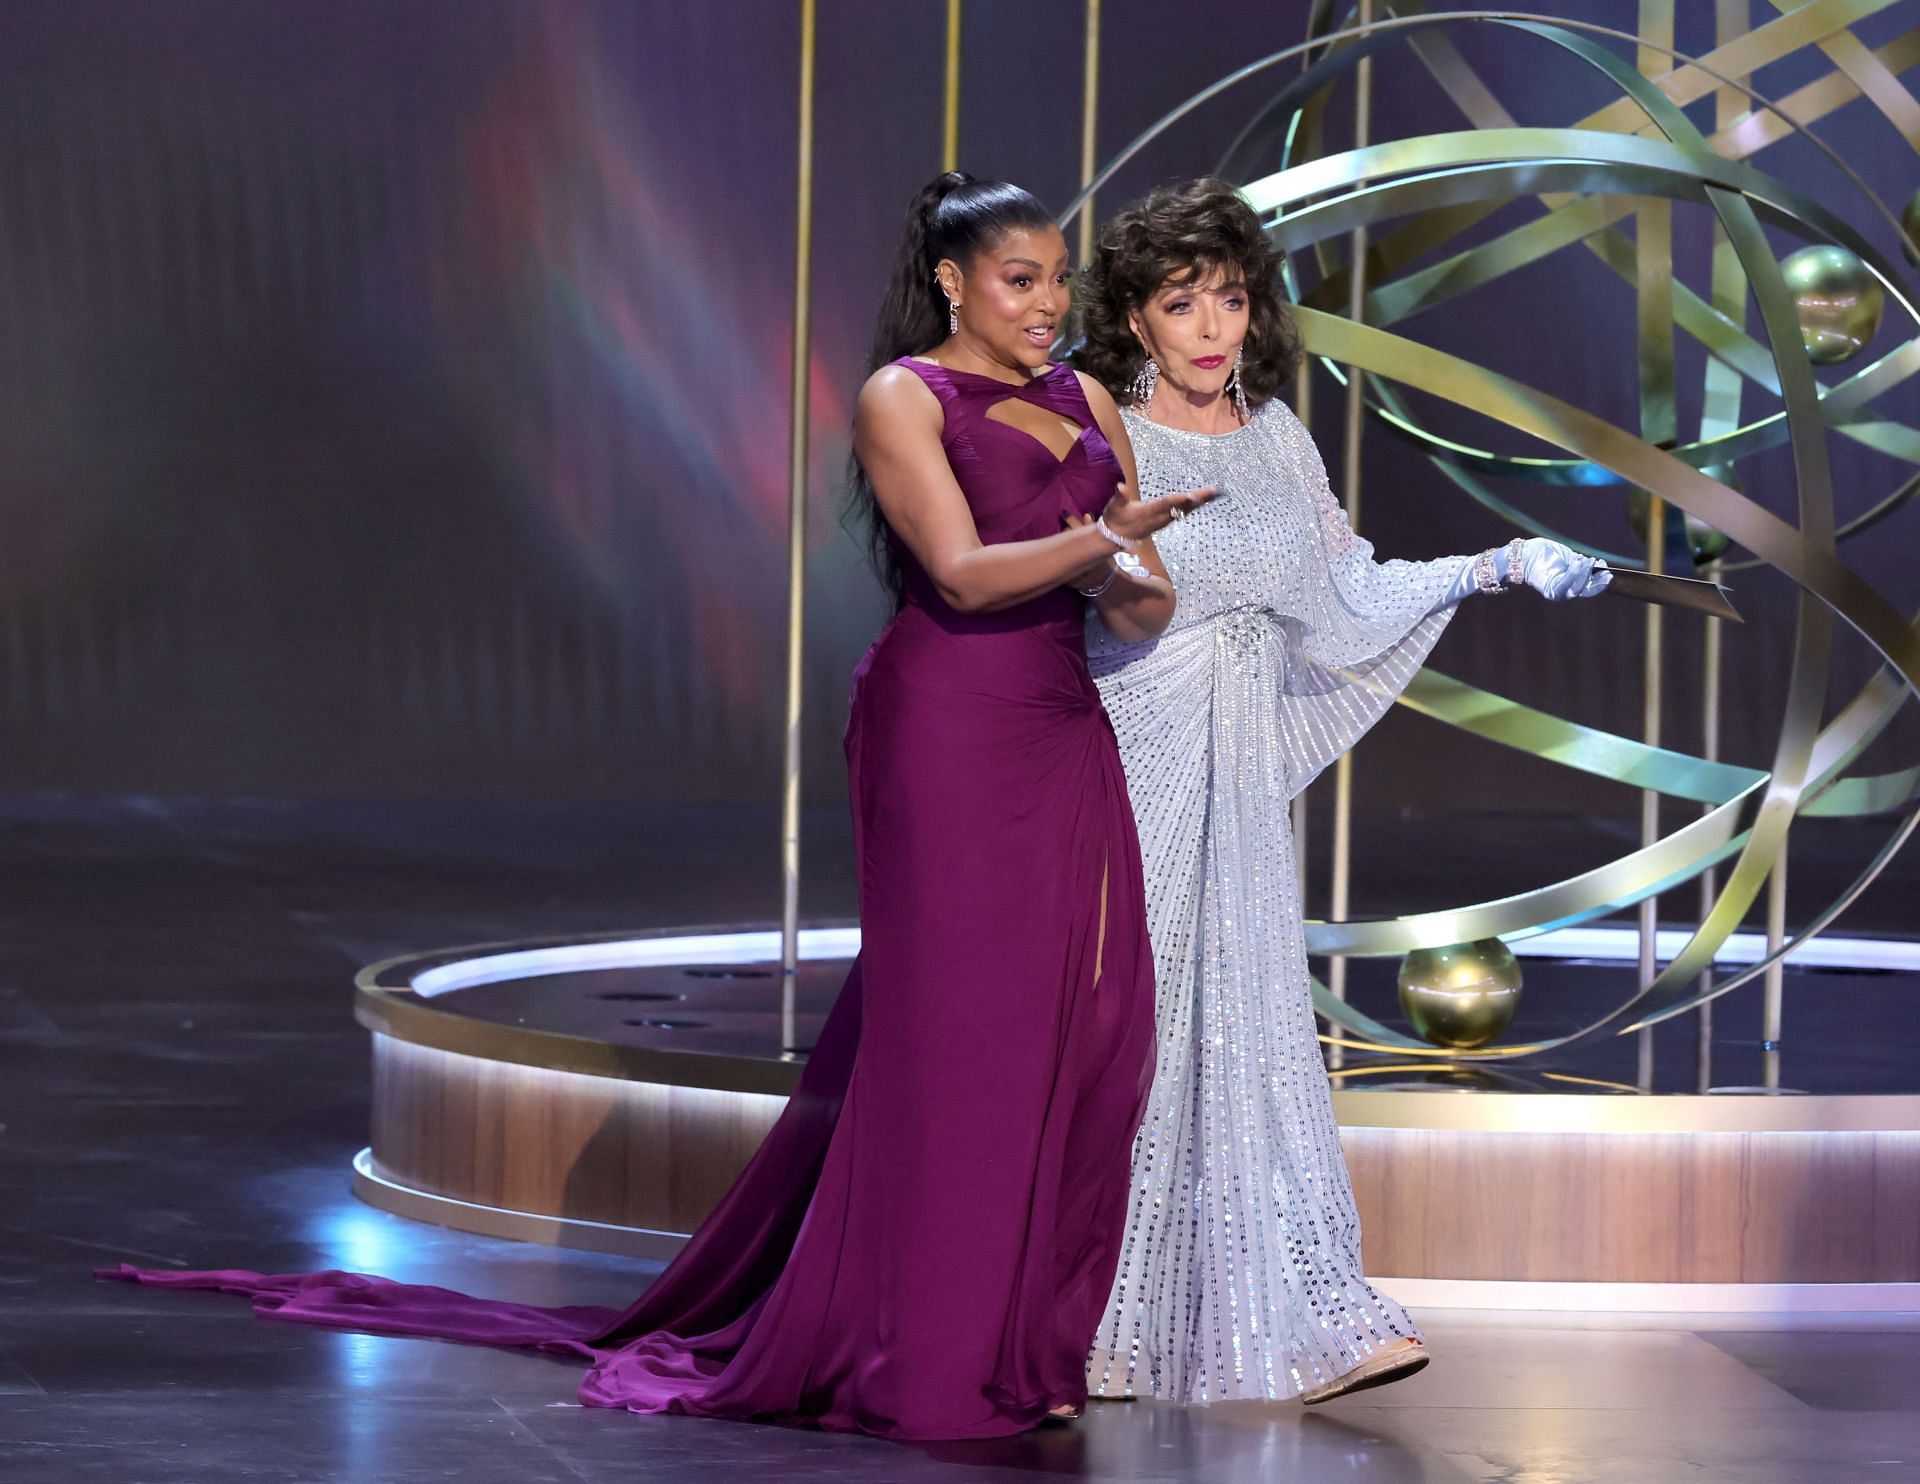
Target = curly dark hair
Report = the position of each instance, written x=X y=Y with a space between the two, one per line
x=1179 y=233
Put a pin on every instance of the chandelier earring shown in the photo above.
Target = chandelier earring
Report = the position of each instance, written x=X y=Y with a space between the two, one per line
x=1237 y=388
x=953 y=318
x=1143 y=385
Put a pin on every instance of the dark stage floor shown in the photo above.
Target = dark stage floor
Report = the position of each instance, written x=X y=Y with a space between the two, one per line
x=181 y=1084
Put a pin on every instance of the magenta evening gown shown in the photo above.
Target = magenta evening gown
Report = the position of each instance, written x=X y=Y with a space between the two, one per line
x=924 y=1244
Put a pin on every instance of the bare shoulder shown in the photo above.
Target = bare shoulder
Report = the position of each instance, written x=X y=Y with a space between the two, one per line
x=894 y=395
x=1098 y=397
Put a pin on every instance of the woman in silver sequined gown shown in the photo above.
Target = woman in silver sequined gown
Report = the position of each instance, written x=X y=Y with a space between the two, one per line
x=1240 y=1273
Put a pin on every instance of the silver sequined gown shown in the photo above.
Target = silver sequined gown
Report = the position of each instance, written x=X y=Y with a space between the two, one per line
x=1240 y=1271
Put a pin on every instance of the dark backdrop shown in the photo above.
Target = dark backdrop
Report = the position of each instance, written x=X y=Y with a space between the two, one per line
x=394 y=396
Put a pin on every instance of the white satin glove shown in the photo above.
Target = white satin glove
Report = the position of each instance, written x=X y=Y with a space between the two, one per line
x=1551 y=568
x=1558 y=572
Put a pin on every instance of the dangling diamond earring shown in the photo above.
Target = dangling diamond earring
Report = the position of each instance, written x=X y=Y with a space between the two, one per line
x=1239 y=391
x=1143 y=385
x=953 y=318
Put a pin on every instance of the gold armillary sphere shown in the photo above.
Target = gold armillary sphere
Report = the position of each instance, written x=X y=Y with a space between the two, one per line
x=1420 y=199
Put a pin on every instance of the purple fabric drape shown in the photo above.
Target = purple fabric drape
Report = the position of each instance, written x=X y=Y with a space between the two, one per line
x=924 y=1244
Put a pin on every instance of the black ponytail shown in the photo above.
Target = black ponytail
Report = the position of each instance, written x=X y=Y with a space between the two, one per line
x=953 y=216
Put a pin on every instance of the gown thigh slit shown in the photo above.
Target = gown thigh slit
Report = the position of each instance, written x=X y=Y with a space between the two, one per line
x=1100 y=954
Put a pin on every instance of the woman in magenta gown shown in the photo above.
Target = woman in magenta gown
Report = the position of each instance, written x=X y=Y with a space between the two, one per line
x=924 y=1245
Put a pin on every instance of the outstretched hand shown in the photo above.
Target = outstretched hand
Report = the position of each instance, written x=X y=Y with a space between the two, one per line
x=1557 y=572
x=1136 y=520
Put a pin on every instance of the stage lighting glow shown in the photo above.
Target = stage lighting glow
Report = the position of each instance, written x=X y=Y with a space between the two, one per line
x=1612 y=944
x=633 y=953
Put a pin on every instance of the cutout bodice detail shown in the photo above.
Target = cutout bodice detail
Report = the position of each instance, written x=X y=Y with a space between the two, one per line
x=1017 y=487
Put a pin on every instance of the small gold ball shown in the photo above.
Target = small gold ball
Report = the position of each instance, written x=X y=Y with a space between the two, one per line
x=1460 y=996
x=1705 y=542
x=1910 y=224
x=1837 y=301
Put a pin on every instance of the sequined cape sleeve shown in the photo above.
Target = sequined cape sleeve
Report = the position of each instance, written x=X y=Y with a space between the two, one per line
x=1277 y=553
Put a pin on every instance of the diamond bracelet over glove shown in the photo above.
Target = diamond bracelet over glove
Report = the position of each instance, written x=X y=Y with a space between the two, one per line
x=1486 y=571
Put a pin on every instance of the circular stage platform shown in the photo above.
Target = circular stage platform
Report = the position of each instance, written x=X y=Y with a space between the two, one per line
x=605 y=1093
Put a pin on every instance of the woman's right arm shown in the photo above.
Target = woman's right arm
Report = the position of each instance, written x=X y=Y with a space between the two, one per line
x=896 y=437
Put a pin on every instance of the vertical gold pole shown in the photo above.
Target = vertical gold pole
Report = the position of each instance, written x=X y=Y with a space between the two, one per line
x=1652 y=673
x=950 y=117
x=1653 y=249
x=1772 y=1000
x=1089 y=114
x=1710 y=879
x=1719 y=413
x=797 y=447
x=1338 y=904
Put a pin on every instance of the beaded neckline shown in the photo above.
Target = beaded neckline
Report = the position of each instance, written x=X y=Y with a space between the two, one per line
x=1133 y=417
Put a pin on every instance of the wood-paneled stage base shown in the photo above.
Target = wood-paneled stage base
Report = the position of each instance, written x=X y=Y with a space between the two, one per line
x=605 y=1094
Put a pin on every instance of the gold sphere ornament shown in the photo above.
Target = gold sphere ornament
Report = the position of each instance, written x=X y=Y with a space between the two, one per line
x=1704 y=542
x=1461 y=996
x=1910 y=224
x=1837 y=300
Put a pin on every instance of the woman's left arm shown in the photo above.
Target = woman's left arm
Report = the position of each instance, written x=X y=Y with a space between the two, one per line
x=1132 y=607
